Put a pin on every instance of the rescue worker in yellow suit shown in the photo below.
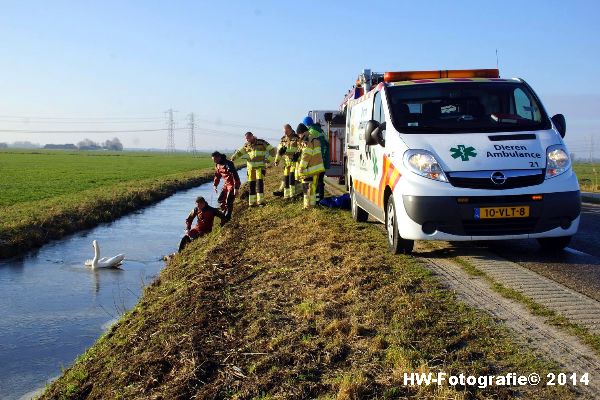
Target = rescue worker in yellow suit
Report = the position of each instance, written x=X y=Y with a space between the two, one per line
x=286 y=150
x=310 y=165
x=257 y=153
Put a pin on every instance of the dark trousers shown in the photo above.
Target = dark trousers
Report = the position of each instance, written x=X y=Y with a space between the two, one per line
x=184 y=242
x=191 y=235
x=321 y=187
x=289 y=180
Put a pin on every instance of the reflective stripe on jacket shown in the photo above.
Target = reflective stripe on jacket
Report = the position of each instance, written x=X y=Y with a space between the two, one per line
x=291 y=145
x=311 y=160
x=255 y=153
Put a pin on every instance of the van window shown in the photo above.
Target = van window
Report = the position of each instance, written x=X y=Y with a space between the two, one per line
x=378 y=109
x=465 y=107
x=348 y=116
x=524 y=107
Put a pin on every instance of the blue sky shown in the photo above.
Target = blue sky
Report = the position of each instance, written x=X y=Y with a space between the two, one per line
x=240 y=65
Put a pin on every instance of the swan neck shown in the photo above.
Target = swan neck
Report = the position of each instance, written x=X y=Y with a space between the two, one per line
x=96 y=255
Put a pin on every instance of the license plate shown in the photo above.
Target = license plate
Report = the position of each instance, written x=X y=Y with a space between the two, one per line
x=502 y=212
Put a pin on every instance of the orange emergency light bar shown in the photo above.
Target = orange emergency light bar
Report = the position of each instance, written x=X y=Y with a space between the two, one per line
x=449 y=73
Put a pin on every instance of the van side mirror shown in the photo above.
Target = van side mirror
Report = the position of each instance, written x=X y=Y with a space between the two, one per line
x=328 y=116
x=560 y=123
x=374 y=133
x=369 y=129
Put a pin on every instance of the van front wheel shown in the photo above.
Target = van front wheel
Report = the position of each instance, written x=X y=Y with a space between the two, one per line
x=395 y=243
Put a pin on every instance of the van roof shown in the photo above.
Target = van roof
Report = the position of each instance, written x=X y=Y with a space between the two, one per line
x=451 y=80
x=349 y=101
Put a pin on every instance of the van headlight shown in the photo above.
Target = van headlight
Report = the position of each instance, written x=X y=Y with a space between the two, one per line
x=557 y=161
x=423 y=163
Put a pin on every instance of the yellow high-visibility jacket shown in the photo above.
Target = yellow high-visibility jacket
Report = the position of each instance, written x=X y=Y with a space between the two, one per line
x=311 y=160
x=291 y=145
x=255 y=153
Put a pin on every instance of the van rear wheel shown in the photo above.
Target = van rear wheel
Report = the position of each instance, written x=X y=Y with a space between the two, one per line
x=554 y=244
x=395 y=243
x=358 y=214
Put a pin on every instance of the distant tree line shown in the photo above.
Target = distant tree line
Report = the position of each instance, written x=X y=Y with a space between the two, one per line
x=20 y=145
x=86 y=144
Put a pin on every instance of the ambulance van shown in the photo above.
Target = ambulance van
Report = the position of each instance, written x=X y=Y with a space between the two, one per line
x=458 y=155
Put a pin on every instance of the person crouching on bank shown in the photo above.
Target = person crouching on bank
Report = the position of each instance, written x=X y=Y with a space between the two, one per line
x=205 y=217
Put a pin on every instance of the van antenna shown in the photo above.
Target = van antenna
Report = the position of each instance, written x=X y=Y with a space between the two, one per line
x=497 y=63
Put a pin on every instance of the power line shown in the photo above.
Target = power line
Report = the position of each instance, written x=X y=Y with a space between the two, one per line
x=213 y=132
x=82 y=131
x=26 y=117
x=54 y=122
x=238 y=125
x=204 y=129
x=23 y=119
x=192 y=126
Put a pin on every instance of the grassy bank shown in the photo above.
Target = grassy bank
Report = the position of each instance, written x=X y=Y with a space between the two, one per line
x=45 y=195
x=588 y=175
x=283 y=303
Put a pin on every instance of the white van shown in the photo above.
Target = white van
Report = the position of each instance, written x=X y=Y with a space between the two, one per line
x=458 y=155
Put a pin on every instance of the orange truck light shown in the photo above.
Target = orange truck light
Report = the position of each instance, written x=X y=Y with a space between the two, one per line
x=451 y=73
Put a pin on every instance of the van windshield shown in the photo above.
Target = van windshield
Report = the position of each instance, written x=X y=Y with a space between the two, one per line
x=465 y=107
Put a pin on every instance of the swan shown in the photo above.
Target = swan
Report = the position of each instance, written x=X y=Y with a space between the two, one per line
x=104 y=262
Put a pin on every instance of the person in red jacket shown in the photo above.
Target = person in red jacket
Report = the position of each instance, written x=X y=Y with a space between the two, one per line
x=225 y=169
x=205 y=216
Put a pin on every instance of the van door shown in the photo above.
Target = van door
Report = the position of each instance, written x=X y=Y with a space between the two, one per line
x=359 y=114
x=367 y=173
x=374 y=171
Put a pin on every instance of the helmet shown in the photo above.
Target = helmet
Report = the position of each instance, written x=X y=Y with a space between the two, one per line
x=308 y=121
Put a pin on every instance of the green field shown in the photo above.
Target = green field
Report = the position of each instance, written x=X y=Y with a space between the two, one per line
x=47 y=194
x=35 y=175
x=588 y=175
x=27 y=176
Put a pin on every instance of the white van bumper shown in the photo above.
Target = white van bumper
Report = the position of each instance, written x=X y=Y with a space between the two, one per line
x=445 y=218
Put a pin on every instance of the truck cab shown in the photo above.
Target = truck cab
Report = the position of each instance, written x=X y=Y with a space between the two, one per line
x=458 y=155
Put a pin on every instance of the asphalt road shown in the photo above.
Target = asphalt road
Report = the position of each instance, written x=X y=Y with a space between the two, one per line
x=578 y=267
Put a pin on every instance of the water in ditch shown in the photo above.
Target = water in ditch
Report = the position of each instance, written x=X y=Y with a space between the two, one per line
x=52 y=307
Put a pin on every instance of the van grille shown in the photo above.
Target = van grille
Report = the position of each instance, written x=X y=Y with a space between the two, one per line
x=482 y=179
x=517 y=226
